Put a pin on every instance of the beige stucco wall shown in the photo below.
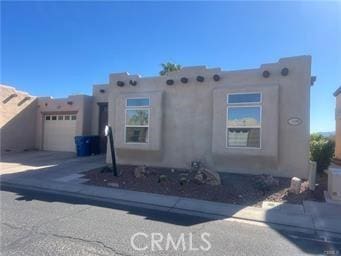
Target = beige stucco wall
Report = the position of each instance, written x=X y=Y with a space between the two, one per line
x=17 y=120
x=193 y=116
x=338 y=127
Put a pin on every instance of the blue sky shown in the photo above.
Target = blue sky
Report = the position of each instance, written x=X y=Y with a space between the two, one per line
x=57 y=49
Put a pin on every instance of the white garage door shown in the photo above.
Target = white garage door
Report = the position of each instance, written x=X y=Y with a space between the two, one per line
x=59 y=133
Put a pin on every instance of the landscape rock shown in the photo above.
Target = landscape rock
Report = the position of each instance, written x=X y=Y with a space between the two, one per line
x=211 y=177
x=184 y=174
x=198 y=178
x=295 y=185
x=195 y=165
x=266 y=182
x=162 y=178
x=140 y=171
x=113 y=184
x=183 y=180
x=207 y=176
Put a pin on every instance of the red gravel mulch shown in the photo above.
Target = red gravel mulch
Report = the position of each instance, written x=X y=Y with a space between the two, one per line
x=235 y=189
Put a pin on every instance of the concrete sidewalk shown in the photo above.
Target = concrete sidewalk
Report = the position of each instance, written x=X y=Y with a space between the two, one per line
x=316 y=216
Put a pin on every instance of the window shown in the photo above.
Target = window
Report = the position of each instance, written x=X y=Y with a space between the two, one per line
x=137 y=120
x=138 y=102
x=47 y=118
x=66 y=117
x=239 y=98
x=243 y=120
x=60 y=117
x=54 y=118
x=73 y=117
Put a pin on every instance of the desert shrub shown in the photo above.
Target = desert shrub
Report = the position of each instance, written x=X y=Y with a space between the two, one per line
x=321 y=151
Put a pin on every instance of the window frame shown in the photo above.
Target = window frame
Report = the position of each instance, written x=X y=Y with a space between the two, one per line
x=127 y=108
x=136 y=98
x=244 y=105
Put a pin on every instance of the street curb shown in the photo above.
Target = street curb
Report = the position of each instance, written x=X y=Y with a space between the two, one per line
x=180 y=205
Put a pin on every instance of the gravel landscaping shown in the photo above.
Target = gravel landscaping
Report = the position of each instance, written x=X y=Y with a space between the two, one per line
x=235 y=188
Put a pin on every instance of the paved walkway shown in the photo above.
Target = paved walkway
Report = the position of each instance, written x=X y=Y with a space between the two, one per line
x=64 y=178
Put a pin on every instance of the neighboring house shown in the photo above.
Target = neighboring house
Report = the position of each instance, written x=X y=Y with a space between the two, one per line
x=247 y=121
x=17 y=114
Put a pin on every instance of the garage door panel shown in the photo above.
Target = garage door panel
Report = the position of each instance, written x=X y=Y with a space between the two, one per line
x=59 y=134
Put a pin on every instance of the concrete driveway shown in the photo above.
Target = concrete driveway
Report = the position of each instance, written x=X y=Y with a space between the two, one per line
x=46 y=165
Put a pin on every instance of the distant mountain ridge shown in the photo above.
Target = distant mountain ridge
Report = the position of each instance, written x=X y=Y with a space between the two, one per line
x=327 y=134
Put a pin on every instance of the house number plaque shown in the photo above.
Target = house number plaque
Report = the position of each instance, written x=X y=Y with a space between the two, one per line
x=294 y=121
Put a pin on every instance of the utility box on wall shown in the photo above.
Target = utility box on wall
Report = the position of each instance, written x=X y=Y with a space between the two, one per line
x=334 y=183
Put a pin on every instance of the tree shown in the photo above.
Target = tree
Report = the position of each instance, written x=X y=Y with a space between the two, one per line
x=321 y=151
x=169 y=67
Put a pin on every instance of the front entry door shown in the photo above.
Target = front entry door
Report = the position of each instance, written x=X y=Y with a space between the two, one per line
x=103 y=121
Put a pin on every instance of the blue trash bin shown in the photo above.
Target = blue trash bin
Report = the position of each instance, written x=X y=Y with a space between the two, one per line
x=83 y=145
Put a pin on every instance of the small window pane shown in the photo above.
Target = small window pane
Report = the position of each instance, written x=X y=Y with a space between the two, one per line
x=66 y=117
x=73 y=117
x=244 y=98
x=138 y=102
x=60 y=117
x=54 y=117
x=136 y=134
x=243 y=116
x=47 y=118
x=243 y=137
x=137 y=117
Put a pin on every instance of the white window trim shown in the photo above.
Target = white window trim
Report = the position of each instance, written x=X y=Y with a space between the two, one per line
x=125 y=120
x=241 y=105
x=244 y=103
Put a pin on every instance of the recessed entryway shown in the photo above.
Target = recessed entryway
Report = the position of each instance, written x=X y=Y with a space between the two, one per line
x=103 y=121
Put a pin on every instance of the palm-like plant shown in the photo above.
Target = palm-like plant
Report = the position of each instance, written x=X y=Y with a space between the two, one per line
x=169 y=67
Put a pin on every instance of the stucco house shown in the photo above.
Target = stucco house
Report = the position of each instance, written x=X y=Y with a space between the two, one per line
x=247 y=121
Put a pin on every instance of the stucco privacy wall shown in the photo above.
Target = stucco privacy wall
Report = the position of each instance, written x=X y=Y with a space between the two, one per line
x=81 y=105
x=17 y=119
x=338 y=124
x=187 y=121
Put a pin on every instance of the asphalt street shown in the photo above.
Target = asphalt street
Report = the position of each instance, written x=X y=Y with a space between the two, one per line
x=38 y=223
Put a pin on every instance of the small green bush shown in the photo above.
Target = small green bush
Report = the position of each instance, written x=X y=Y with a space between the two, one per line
x=321 y=151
